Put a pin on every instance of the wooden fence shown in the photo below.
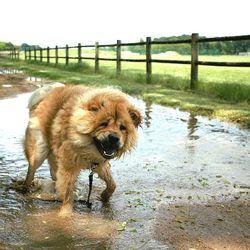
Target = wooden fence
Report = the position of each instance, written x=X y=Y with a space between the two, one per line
x=194 y=62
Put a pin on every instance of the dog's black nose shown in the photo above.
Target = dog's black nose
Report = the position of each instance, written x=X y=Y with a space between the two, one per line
x=113 y=139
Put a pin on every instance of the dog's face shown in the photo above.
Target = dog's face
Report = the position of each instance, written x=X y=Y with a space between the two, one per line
x=109 y=121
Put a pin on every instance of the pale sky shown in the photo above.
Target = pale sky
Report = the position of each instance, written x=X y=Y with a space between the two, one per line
x=60 y=22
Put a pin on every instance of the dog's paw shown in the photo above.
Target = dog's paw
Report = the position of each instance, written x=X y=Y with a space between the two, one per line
x=105 y=196
x=66 y=210
x=20 y=186
x=64 y=214
x=23 y=189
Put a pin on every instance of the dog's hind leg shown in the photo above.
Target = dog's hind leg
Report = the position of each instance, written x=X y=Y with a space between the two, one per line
x=36 y=151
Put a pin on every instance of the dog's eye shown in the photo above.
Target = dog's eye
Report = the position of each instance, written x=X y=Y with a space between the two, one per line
x=103 y=124
x=93 y=108
x=123 y=128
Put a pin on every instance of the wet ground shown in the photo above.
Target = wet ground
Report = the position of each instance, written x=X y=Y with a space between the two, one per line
x=186 y=186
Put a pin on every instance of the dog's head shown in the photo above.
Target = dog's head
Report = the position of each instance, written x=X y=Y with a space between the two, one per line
x=106 y=118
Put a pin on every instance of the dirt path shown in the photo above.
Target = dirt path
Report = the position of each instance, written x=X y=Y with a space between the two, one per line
x=211 y=226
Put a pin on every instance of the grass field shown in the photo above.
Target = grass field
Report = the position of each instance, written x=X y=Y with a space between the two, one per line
x=222 y=93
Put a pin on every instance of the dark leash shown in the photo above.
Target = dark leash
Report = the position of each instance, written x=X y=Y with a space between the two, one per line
x=89 y=204
x=93 y=166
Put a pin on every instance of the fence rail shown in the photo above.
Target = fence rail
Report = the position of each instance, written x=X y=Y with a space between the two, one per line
x=194 y=62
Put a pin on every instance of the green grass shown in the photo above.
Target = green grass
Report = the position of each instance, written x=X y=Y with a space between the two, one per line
x=166 y=89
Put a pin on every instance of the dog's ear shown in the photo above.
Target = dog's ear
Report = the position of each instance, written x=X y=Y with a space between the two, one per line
x=135 y=116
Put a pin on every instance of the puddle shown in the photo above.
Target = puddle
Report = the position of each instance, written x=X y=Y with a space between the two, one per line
x=179 y=158
x=6 y=71
x=34 y=79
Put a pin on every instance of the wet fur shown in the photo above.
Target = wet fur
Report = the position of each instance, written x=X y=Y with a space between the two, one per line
x=63 y=122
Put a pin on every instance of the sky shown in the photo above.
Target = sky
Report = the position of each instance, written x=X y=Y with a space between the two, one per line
x=61 y=22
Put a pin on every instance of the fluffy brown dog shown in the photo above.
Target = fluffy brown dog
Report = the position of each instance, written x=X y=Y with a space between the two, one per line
x=78 y=128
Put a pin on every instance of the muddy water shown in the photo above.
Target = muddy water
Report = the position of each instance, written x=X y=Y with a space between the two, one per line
x=179 y=158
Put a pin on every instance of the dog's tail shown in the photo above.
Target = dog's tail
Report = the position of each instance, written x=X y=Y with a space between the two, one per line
x=39 y=94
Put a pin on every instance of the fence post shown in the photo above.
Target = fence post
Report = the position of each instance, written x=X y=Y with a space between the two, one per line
x=25 y=54
x=118 y=57
x=41 y=55
x=67 y=54
x=48 y=54
x=56 y=52
x=96 y=57
x=148 y=60
x=35 y=53
x=29 y=54
x=194 y=60
x=79 y=53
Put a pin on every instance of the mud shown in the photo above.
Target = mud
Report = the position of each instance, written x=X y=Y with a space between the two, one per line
x=186 y=186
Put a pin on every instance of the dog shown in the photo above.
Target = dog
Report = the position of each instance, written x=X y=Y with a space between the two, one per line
x=77 y=127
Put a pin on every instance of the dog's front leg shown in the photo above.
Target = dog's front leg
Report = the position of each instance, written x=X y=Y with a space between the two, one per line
x=66 y=176
x=65 y=186
x=104 y=173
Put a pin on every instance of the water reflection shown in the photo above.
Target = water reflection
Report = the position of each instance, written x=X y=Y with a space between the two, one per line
x=192 y=127
x=34 y=79
x=49 y=227
x=148 y=111
x=41 y=228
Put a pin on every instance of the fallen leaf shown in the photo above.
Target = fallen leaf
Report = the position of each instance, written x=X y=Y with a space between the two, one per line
x=220 y=219
x=179 y=219
x=122 y=226
x=132 y=220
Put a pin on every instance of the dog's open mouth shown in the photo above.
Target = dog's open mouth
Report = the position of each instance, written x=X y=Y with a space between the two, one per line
x=106 y=150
